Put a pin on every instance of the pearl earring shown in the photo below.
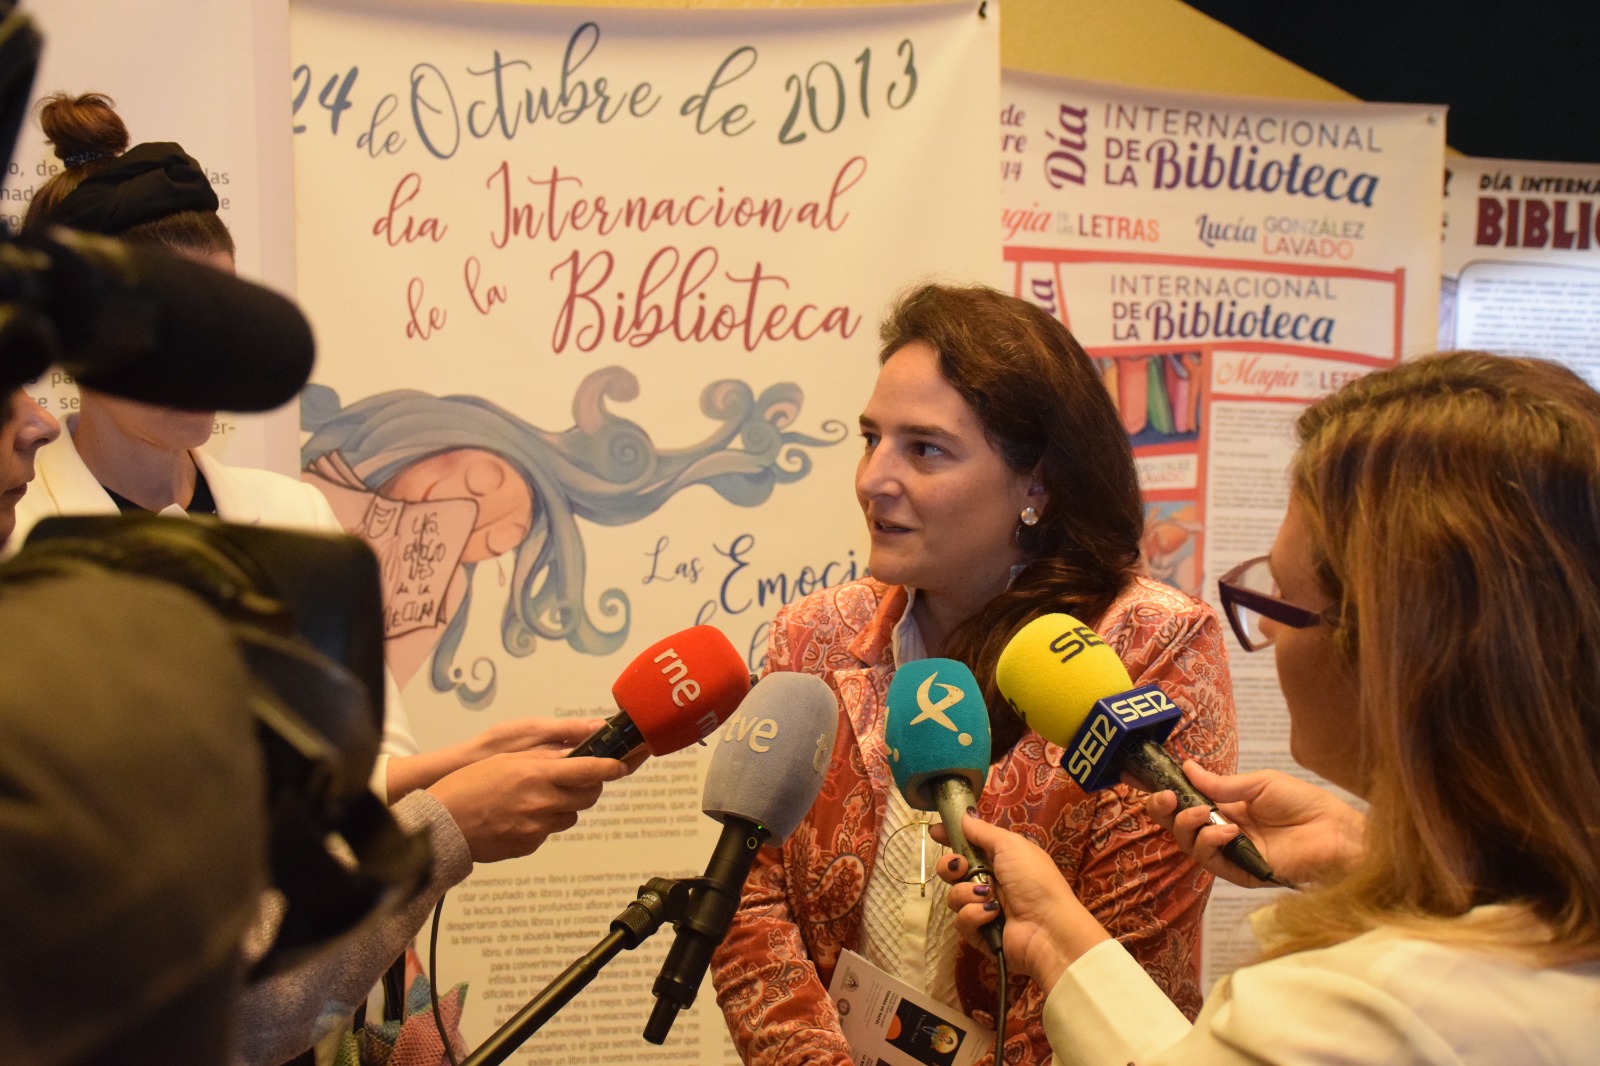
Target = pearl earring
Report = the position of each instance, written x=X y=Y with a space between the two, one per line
x=1029 y=516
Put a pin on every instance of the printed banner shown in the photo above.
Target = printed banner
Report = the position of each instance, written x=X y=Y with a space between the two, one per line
x=1522 y=261
x=1225 y=261
x=597 y=293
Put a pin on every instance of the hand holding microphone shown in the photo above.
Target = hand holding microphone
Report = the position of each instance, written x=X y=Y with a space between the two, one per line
x=937 y=731
x=1071 y=689
x=672 y=694
x=1312 y=835
x=509 y=803
x=1047 y=927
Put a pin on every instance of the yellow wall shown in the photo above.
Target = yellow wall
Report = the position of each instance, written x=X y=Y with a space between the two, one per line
x=1158 y=43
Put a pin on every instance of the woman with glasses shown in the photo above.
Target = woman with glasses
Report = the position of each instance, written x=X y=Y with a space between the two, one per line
x=997 y=485
x=1433 y=605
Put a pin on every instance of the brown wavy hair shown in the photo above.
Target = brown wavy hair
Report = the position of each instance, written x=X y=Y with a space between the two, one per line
x=1454 y=507
x=1043 y=406
x=89 y=125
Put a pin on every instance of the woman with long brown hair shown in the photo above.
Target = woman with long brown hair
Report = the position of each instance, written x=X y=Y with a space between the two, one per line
x=1433 y=603
x=997 y=485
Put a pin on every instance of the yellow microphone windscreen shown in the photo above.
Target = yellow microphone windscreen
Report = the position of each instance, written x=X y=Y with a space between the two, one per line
x=1054 y=670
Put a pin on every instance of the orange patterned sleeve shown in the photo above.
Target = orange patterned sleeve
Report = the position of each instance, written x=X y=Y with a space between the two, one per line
x=1131 y=873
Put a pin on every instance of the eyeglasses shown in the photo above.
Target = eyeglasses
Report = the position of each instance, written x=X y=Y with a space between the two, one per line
x=1250 y=594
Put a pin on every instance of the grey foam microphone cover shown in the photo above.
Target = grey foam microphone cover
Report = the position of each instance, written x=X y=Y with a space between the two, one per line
x=773 y=752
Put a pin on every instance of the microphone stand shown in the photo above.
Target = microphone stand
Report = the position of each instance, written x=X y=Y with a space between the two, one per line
x=660 y=900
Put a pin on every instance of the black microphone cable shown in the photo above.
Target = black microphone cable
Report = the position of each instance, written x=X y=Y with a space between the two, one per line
x=433 y=983
x=1001 y=1007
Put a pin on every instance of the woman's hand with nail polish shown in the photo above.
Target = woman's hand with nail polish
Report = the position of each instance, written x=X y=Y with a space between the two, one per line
x=1047 y=928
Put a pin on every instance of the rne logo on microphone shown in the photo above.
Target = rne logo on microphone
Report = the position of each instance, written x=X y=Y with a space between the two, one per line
x=706 y=724
x=676 y=671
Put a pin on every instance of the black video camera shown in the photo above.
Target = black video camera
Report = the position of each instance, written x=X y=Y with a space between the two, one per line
x=304 y=609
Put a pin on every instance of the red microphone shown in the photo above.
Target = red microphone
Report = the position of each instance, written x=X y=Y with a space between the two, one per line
x=674 y=693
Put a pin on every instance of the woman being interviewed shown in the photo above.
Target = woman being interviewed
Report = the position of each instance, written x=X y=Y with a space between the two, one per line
x=1434 y=609
x=997 y=486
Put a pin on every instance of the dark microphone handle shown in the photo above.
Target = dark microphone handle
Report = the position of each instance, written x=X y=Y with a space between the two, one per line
x=617 y=739
x=712 y=902
x=1149 y=764
x=953 y=796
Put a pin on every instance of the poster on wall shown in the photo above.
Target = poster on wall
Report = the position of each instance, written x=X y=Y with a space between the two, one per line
x=596 y=294
x=1225 y=261
x=1522 y=261
x=223 y=102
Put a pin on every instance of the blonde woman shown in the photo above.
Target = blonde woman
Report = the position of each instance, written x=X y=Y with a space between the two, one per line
x=1433 y=603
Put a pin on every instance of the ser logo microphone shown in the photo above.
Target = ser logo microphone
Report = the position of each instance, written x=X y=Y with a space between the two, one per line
x=1078 y=639
x=1095 y=751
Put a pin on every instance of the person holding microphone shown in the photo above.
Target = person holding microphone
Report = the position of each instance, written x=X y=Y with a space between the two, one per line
x=1433 y=605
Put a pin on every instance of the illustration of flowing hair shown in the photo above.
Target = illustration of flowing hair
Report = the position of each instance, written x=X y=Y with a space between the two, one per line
x=604 y=469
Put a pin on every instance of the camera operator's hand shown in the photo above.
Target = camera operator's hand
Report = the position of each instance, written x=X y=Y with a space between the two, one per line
x=1307 y=834
x=507 y=804
x=407 y=773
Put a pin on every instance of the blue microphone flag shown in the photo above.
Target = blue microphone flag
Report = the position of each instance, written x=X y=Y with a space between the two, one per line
x=937 y=727
x=1093 y=756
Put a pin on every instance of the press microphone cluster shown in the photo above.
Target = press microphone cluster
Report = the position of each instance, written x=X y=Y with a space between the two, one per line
x=768 y=766
x=766 y=770
x=937 y=732
x=1070 y=688
x=673 y=694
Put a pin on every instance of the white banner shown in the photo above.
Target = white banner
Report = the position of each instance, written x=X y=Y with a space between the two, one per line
x=1226 y=261
x=596 y=293
x=1522 y=261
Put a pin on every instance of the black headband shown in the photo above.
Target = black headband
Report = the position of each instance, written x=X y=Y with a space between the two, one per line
x=147 y=182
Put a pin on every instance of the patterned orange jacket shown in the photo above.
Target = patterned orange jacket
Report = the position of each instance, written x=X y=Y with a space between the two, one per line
x=802 y=903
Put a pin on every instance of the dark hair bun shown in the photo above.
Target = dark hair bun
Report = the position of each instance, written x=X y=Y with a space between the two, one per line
x=82 y=124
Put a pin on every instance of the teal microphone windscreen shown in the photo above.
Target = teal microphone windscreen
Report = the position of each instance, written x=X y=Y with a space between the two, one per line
x=772 y=753
x=937 y=727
